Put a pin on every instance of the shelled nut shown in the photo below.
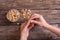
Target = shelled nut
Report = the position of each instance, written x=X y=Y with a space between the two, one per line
x=13 y=15
x=26 y=13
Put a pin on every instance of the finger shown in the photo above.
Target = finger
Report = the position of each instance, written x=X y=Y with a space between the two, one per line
x=27 y=24
x=35 y=17
x=31 y=26
x=32 y=16
x=42 y=18
x=23 y=25
x=35 y=22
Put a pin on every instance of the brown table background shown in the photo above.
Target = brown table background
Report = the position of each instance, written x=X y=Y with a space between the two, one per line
x=50 y=9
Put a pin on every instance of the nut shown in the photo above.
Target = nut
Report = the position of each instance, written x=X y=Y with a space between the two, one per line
x=13 y=15
x=26 y=13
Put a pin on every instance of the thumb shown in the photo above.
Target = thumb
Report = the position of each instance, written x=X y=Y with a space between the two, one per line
x=35 y=22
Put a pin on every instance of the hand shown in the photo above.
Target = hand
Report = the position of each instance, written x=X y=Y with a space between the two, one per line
x=25 y=28
x=39 y=20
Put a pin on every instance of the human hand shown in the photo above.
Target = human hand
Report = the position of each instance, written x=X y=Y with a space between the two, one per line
x=39 y=20
x=25 y=28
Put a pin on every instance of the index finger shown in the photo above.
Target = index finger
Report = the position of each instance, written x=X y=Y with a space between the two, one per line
x=27 y=24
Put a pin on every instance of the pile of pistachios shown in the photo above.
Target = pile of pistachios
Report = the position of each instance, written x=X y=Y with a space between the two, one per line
x=14 y=15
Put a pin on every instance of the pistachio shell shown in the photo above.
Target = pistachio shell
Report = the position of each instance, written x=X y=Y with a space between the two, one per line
x=13 y=15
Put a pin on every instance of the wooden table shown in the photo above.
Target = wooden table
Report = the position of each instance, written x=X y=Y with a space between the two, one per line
x=50 y=9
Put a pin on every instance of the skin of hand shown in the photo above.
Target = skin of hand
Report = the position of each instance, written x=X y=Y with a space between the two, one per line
x=41 y=22
x=25 y=28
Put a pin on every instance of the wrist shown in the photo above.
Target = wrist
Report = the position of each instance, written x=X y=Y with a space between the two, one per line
x=23 y=38
x=46 y=25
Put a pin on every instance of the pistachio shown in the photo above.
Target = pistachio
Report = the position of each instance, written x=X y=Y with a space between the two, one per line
x=13 y=15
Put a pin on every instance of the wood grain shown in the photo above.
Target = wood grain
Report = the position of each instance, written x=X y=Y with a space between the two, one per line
x=51 y=16
x=11 y=30
x=32 y=4
x=50 y=9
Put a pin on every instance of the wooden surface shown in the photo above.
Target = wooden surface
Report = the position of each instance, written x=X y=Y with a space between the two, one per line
x=50 y=9
x=32 y=4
